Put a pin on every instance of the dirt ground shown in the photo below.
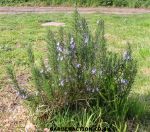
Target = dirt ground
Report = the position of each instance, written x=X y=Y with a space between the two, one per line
x=109 y=10
x=13 y=114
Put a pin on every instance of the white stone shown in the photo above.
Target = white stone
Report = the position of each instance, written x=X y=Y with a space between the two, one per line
x=53 y=24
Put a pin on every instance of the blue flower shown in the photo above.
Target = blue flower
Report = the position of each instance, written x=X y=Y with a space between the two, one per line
x=59 y=47
x=72 y=44
x=78 y=65
x=124 y=81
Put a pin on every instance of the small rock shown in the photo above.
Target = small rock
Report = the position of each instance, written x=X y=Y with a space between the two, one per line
x=53 y=24
x=46 y=130
x=30 y=127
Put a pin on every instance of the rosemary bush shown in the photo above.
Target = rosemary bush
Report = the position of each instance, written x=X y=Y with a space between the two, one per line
x=81 y=76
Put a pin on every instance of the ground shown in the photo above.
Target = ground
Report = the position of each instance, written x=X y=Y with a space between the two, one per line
x=18 y=30
x=13 y=114
x=110 y=10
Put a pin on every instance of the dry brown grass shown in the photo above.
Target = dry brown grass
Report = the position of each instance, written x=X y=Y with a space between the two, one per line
x=13 y=114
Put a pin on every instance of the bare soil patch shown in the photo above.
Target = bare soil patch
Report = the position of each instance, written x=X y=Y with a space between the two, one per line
x=109 y=10
x=57 y=24
x=13 y=114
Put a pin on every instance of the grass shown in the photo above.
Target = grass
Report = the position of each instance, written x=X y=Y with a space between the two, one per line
x=17 y=31
x=118 y=3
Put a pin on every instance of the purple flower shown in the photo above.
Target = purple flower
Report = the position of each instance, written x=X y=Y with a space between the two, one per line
x=59 y=47
x=78 y=65
x=126 y=56
x=94 y=71
x=124 y=81
x=72 y=44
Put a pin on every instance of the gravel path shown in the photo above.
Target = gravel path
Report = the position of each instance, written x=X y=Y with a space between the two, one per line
x=19 y=10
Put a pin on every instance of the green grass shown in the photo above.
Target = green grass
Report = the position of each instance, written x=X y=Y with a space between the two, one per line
x=118 y=3
x=17 y=31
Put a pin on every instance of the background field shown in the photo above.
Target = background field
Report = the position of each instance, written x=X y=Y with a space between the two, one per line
x=119 y=3
x=17 y=31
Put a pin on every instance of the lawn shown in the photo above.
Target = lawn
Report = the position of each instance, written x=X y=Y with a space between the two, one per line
x=117 y=3
x=17 y=31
